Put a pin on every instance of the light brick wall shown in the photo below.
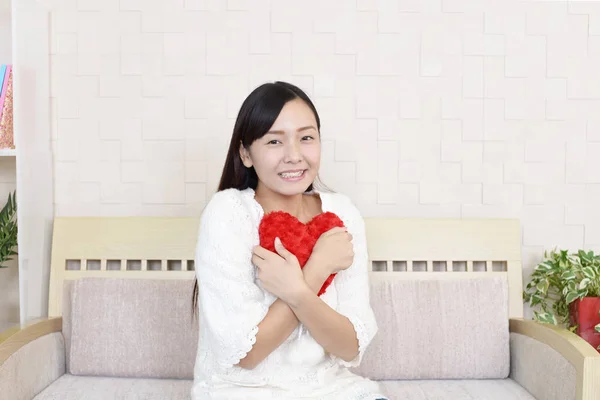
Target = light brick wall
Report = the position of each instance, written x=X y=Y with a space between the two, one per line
x=5 y=32
x=430 y=108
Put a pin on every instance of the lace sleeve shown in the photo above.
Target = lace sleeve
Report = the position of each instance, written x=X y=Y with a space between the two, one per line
x=230 y=303
x=352 y=286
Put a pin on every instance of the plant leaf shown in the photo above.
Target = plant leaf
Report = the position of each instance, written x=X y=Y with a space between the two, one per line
x=568 y=275
x=8 y=230
x=571 y=296
x=542 y=286
x=547 y=318
x=545 y=266
x=589 y=272
x=584 y=283
x=535 y=299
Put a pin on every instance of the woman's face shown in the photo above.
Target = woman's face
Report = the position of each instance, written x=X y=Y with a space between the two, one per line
x=288 y=156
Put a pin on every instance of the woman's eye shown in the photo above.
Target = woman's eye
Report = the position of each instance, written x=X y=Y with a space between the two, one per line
x=307 y=138
x=274 y=141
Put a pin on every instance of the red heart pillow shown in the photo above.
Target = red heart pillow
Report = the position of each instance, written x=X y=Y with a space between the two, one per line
x=295 y=236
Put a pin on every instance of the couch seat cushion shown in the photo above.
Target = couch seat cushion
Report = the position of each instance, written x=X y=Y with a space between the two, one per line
x=480 y=389
x=71 y=387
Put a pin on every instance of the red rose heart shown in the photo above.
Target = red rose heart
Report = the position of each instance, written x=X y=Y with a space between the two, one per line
x=295 y=236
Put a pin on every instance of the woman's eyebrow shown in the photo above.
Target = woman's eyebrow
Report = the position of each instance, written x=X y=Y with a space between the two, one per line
x=304 y=128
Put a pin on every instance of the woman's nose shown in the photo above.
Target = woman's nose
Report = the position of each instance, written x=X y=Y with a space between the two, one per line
x=292 y=153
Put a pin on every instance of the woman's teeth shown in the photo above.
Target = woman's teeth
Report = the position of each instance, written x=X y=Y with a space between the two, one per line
x=291 y=174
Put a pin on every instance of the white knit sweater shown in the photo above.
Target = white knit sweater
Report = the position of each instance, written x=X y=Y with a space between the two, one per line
x=232 y=303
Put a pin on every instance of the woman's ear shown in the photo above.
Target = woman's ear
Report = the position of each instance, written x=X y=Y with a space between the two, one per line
x=245 y=156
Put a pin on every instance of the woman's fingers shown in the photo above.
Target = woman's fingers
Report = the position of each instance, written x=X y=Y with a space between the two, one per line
x=256 y=260
x=281 y=250
x=340 y=232
x=334 y=230
x=261 y=252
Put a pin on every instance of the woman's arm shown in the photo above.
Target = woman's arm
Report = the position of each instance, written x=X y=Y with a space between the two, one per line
x=346 y=331
x=333 y=331
x=280 y=321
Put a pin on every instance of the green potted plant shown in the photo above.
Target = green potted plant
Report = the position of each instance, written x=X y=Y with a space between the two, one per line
x=8 y=230
x=566 y=287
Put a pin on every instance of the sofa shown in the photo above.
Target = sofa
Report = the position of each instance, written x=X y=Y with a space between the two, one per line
x=447 y=301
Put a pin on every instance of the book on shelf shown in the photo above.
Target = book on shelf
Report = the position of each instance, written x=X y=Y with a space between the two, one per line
x=6 y=108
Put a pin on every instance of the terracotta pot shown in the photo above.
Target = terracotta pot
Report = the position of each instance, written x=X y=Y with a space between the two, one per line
x=584 y=313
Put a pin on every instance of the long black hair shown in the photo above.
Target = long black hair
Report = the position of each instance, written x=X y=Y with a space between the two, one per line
x=256 y=116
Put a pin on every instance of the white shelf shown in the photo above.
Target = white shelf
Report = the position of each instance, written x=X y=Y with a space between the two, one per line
x=8 y=152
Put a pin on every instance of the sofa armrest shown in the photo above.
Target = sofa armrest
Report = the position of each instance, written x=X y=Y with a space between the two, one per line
x=564 y=362
x=32 y=356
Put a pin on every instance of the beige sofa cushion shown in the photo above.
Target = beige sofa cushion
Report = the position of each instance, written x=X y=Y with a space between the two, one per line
x=439 y=329
x=484 y=389
x=133 y=328
x=69 y=387
x=66 y=318
x=541 y=370
x=34 y=366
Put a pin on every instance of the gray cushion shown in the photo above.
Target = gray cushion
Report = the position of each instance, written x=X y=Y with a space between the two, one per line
x=140 y=328
x=34 y=366
x=540 y=369
x=427 y=329
x=500 y=389
x=439 y=329
x=66 y=318
x=69 y=387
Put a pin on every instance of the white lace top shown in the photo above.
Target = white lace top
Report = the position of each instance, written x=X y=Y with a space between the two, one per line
x=232 y=304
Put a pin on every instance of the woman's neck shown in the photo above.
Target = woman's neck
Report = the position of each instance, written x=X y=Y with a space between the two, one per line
x=300 y=206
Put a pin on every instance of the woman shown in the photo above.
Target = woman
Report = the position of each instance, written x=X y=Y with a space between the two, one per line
x=265 y=333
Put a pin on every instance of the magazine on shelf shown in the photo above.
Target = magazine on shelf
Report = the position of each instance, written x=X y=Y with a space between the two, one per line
x=6 y=108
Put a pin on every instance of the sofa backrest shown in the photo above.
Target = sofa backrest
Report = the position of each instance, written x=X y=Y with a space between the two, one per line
x=411 y=261
x=439 y=329
x=131 y=328
x=429 y=329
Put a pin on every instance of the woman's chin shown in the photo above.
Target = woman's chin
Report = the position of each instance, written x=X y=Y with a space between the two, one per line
x=291 y=190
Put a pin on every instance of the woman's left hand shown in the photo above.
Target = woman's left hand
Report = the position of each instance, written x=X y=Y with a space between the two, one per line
x=280 y=272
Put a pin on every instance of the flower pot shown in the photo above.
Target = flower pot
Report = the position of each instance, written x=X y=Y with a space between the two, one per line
x=584 y=314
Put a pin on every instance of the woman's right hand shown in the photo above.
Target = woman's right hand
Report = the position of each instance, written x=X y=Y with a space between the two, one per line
x=333 y=250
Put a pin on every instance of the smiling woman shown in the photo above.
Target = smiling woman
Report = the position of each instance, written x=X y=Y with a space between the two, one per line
x=267 y=330
x=286 y=153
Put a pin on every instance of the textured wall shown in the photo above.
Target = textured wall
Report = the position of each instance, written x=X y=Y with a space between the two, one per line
x=5 y=32
x=449 y=108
